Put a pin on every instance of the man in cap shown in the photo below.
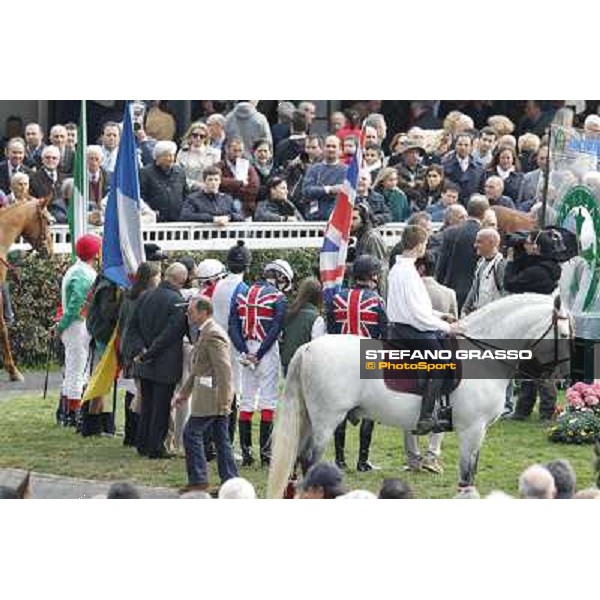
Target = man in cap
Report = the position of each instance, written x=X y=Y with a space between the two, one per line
x=71 y=327
x=255 y=323
x=359 y=310
x=323 y=481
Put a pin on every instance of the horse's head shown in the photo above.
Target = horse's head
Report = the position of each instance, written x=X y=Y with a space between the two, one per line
x=37 y=229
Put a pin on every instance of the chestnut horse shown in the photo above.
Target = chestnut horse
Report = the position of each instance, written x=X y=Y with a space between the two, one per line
x=511 y=220
x=31 y=220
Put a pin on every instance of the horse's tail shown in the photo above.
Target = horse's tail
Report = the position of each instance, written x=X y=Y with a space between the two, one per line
x=292 y=418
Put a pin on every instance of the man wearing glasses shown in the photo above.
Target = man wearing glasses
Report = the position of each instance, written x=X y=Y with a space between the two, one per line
x=47 y=181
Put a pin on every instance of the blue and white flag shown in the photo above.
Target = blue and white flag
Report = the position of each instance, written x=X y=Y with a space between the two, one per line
x=123 y=245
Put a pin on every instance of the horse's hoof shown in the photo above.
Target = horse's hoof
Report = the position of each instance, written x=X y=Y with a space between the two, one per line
x=16 y=376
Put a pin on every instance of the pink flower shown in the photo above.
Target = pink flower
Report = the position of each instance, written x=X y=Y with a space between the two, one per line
x=579 y=387
x=596 y=388
x=592 y=400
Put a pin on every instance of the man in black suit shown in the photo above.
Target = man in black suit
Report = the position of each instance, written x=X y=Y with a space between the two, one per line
x=58 y=138
x=458 y=257
x=463 y=169
x=15 y=154
x=47 y=181
x=34 y=137
x=157 y=327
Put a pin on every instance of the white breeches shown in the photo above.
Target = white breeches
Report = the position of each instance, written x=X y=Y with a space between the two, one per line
x=76 y=340
x=261 y=381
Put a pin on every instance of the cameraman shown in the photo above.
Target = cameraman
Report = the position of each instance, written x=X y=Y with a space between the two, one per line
x=532 y=266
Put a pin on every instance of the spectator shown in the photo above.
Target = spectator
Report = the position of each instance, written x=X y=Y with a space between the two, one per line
x=34 y=137
x=211 y=404
x=337 y=121
x=123 y=491
x=239 y=178
x=196 y=155
x=352 y=126
x=449 y=197
x=294 y=144
x=98 y=183
x=58 y=138
x=395 y=489
x=71 y=136
x=210 y=205
x=310 y=112
x=15 y=153
x=323 y=481
x=349 y=148
x=19 y=186
x=378 y=209
x=528 y=146
x=247 y=124
x=157 y=327
x=457 y=258
x=484 y=151
x=591 y=126
x=493 y=188
x=564 y=477
x=262 y=161
x=216 y=131
x=532 y=185
x=323 y=182
x=506 y=165
x=160 y=122
x=277 y=207
x=281 y=130
x=370 y=135
x=237 y=488
x=377 y=121
x=47 y=181
x=296 y=170
x=535 y=119
x=463 y=169
x=455 y=215
x=433 y=187
x=111 y=135
x=387 y=185
x=537 y=483
x=163 y=184
x=373 y=159
x=410 y=171
x=501 y=124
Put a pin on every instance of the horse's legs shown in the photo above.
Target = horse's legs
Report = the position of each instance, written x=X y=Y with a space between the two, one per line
x=9 y=363
x=470 y=445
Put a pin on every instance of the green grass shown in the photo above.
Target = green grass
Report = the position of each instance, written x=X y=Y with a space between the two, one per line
x=29 y=439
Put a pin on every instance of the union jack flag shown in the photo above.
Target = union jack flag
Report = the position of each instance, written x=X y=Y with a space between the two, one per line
x=332 y=260
x=256 y=310
x=355 y=313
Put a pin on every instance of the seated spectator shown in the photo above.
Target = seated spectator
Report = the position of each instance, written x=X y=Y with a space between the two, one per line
x=163 y=184
x=237 y=488
x=47 y=181
x=493 y=188
x=239 y=178
x=411 y=172
x=323 y=481
x=564 y=476
x=210 y=205
x=537 y=483
x=448 y=198
x=196 y=155
x=123 y=491
x=323 y=182
x=291 y=147
x=262 y=161
x=373 y=156
x=15 y=153
x=19 y=188
x=395 y=489
x=387 y=185
x=277 y=207
x=58 y=208
x=379 y=210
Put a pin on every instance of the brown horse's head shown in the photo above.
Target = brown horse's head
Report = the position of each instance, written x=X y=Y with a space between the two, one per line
x=37 y=229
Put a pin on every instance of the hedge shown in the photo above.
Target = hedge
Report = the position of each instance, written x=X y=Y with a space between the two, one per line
x=36 y=294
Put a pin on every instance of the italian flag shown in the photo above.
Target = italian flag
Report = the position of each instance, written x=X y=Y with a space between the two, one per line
x=77 y=209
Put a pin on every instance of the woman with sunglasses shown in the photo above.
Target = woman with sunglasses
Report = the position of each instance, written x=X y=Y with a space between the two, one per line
x=196 y=154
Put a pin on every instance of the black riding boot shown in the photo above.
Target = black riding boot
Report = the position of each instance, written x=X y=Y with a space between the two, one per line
x=130 y=421
x=433 y=388
x=366 y=434
x=233 y=419
x=246 y=443
x=61 y=411
x=91 y=424
x=339 y=437
x=266 y=429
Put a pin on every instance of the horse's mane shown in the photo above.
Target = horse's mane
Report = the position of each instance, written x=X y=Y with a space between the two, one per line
x=18 y=205
x=482 y=322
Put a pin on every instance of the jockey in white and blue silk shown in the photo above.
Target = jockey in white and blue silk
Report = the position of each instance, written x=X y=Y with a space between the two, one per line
x=255 y=322
x=359 y=310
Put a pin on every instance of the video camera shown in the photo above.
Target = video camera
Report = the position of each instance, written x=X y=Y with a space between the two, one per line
x=516 y=239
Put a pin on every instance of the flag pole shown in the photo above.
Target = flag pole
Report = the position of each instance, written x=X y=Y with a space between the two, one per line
x=85 y=191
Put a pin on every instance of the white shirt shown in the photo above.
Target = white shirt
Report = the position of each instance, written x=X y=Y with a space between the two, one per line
x=463 y=162
x=110 y=159
x=222 y=297
x=408 y=300
x=488 y=290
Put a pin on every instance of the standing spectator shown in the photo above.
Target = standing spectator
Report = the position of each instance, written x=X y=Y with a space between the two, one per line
x=210 y=205
x=349 y=148
x=157 y=327
x=387 y=185
x=488 y=282
x=532 y=185
x=71 y=136
x=14 y=163
x=297 y=168
x=535 y=119
x=373 y=157
x=377 y=121
x=337 y=121
x=163 y=184
x=262 y=161
x=34 y=138
x=457 y=257
x=463 y=169
x=211 y=384
x=294 y=144
x=71 y=328
x=281 y=130
x=528 y=145
x=448 y=197
x=196 y=155
x=239 y=178
x=255 y=322
x=249 y=125
x=310 y=112
x=277 y=207
x=379 y=210
x=58 y=138
x=98 y=184
x=47 y=181
x=493 y=188
x=111 y=135
x=352 y=126
x=411 y=172
x=505 y=164
x=216 y=131
x=433 y=187
x=323 y=182
x=484 y=151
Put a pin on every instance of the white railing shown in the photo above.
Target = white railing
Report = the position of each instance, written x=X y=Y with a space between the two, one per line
x=206 y=236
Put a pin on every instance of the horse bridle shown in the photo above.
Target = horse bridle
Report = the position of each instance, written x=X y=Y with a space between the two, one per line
x=42 y=242
x=539 y=367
